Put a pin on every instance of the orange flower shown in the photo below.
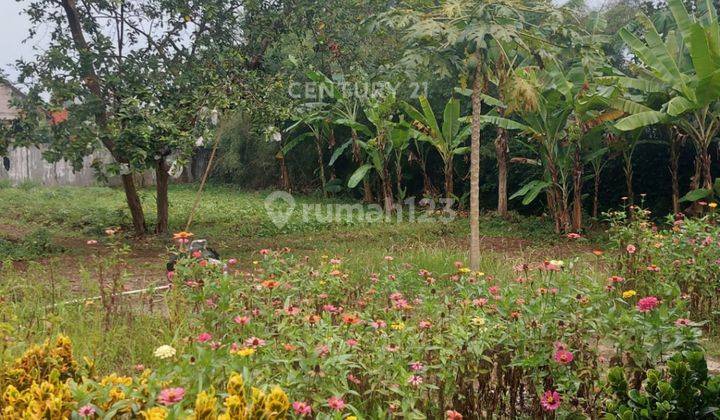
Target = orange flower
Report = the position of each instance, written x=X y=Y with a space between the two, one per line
x=597 y=252
x=351 y=319
x=59 y=116
x=182 y=235
x=271 y=284
x=313 y=319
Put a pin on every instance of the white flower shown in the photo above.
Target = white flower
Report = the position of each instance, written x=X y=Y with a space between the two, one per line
x=199 y=142
x=164 y=352
x=277 y=137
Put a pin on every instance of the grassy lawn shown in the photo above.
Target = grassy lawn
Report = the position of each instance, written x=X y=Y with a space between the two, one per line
x=46 y=230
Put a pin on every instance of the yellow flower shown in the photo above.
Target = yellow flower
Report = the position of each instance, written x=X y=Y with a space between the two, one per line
x=155 y=413
x=165 y=352
x=351 y=418
x=712 y=205
x=479 y=274
x=559 y=263
x=398 y=326
x=244 y=352
x=205 y=406
x=628 y=294
x=463 y=270
x=277 y=404
x=478 y=321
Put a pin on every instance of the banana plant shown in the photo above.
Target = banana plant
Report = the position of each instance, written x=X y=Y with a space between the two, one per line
x=693 y=85
x=379 y=149
x=448 y=139
x=314 y=117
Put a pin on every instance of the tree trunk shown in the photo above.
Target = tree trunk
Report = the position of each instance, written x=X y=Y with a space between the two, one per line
x=162 y=179
x=676 y=139
x=628 y=169
x=92 y=82
x=501 y=153
x=577 y=188
x=556 y=197
x=596 y=192
x=705 y=163
x=387 y=190
x=448 y=170
x=284 y=174
x=321 y=165
x=475 y=171
x=357 y=158
x=368 y=196
x=134 y=203
x=398 y=177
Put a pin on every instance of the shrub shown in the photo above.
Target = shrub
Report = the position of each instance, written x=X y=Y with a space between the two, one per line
x=46 y=382
x=682 y=390
x=418 y=343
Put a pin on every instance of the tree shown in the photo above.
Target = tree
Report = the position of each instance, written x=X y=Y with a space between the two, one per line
x=694 y=86
x=448 y=139
x=460 y=36
x=133 y=76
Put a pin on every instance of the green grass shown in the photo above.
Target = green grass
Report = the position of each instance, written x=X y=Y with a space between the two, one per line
x=238 y=222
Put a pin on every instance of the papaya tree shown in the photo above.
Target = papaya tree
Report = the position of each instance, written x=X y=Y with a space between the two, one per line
x=457 y=37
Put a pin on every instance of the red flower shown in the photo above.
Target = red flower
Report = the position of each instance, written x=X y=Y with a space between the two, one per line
x=550 y=400
x=563 y=357
x=647 y=304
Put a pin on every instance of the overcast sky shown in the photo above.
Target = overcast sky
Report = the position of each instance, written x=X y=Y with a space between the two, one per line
x=14 y=28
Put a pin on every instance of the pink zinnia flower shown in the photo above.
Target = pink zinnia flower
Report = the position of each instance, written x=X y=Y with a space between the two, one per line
x=479 y=302
x=416 y=366
x=301 y=408
x=351 y=342
x=563 y=357
x=232 y=261
x=453 y=415
x=254 y=342
x=170 y=396
x=494 y=290
x=204 y=337
x=682 y=322
x=323 y=350
x=242 y=320
x=378 y=324
x=425 y=325
x=336 y=403
x=647 y=304
x=550 y=401
x=573 y=235
x=86 y=411
x=630 y=249
x=264 y=251
x=415 y=380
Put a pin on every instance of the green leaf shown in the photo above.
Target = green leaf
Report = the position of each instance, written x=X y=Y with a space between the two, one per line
x=358 y=175
x=505 y=123
x=678 y=106
x=451 y=123
x=642 y=119
x=696 y=195
x=339 y=151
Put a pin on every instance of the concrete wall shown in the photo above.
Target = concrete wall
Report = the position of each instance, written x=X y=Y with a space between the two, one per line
x=27 y=163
